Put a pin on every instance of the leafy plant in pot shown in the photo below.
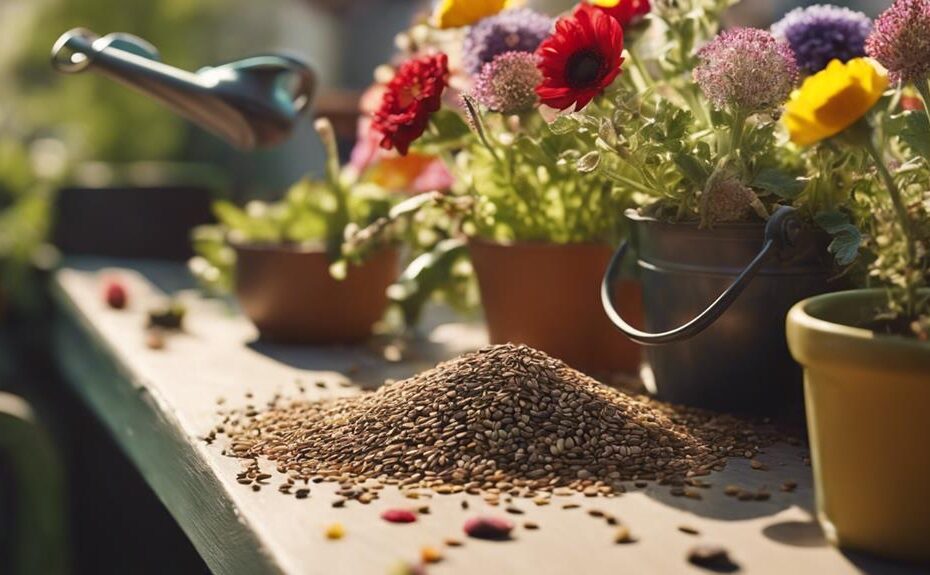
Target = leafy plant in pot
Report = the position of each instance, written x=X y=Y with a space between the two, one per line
x=865 y=353
x=730 y=229
x=537 y=232
x=285 y=260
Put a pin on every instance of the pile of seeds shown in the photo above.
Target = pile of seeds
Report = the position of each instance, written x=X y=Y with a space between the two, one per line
x=508 y=419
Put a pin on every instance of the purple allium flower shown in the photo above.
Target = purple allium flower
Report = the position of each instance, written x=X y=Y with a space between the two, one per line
x=746 y=69
x=519 y=30
x=508 y=83
x=901 y=40
x=823 y=33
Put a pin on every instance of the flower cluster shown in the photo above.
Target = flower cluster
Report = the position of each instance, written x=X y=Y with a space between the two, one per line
x=519 y=30
x=901 y=40
x=822 y=33
x=581 y=59
x=508 y=83
x=746 y=69
x=412 y=95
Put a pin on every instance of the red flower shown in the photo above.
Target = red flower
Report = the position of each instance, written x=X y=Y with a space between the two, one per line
x=411 y=97
x=580 y=59
x=624 y=11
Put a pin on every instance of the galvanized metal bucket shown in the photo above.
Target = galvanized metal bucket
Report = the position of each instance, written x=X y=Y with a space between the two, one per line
x=715 y=307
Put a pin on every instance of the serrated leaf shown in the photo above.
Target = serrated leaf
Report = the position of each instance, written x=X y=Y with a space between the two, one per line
x=563 y=125
x=846 y=237
x=589 y=162
x=694 y=170
x=779 y=182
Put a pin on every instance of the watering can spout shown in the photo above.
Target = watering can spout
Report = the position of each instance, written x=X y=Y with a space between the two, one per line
x=250 y=103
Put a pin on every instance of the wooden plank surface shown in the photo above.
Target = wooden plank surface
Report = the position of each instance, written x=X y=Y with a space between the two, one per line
x=159 y=403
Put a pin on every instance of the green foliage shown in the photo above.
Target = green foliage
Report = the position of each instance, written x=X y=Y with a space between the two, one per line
x=306 y=215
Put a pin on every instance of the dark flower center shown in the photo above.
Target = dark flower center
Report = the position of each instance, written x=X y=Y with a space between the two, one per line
x=584 y=68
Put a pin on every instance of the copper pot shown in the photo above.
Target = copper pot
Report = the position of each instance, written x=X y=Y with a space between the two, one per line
x=548 y=297
x=290 y=296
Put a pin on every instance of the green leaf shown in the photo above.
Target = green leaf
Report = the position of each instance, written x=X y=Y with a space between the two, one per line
x=916 y=132
x=779 y=182
x=564 y=125
x=426 y=275
x=447 y=131
x=589 y=162
x=533 y=151
x=846 y=237
x=692 y=169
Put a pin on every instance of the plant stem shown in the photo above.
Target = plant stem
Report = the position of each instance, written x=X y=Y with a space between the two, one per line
x=647 y=78
x=336 y=225
x=924 y=89
x=901 y=212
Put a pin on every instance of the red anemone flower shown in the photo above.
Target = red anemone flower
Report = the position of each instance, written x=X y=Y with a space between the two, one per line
x=624 y=11
x=580 y=59
x=410 y=98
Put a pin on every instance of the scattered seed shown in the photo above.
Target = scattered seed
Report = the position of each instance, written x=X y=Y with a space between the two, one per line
x=491 y=528
x=430 y=555
x=506 y=421
x=335 y=531
x=464 y=504
x=758 y=465
x=452 y=542
x=531 y=526
x=399 y=516
x=732 y=490
x=712 y=558
x=571 y=506
x=595 y=513
x=623 y=535
x=789 y=486
x=339 y=503
x=155 y=339
x=514 y=510
x=689 y=530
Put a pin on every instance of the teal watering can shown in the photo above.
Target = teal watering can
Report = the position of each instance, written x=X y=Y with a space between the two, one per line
x=251 y=103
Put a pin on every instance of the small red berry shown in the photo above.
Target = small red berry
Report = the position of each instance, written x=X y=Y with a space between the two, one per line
x=399 y=516
x=116 y=295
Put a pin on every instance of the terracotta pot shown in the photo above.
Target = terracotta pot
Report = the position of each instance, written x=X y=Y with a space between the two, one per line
x=867 y=398
x=291 y=297
x=547 y=296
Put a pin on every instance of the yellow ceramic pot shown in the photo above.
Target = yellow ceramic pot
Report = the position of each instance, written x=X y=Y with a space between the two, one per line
x=868 y=413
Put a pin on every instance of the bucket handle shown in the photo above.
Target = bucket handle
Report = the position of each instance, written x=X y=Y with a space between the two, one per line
x=781 y=231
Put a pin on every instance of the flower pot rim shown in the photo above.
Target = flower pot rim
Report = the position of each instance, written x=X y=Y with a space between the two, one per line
x=815 y=338
x=633 y=215
x=314 y=247
x=477 y=240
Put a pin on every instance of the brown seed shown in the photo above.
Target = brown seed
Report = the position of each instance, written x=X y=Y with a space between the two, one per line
x=571 y=506
x=789 y=486
x=430 y=555
x=488 y=528
x=514 y=510
x=689 y=530
x=623 y=535
x=758 y=465
x=711 y=557
x=531 y=526
x=451 y=542
x=732 y=490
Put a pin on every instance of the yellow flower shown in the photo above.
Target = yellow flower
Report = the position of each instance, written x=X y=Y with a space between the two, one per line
x=458 y=13
x=834 y=99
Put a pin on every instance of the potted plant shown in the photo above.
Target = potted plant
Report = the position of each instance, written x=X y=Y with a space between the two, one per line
x=286 y=263
x=731 y=226
x=537 y=233
x=866 y=353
